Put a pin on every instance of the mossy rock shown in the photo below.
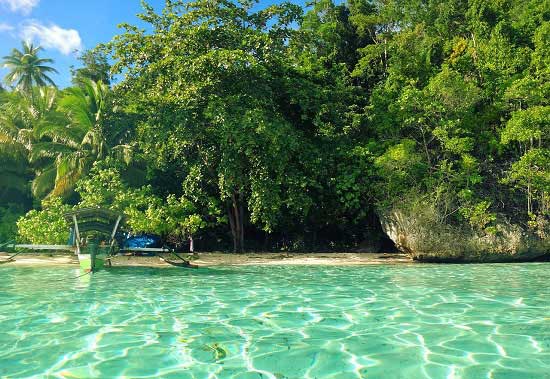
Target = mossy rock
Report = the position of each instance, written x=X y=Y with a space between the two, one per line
x=418 y=233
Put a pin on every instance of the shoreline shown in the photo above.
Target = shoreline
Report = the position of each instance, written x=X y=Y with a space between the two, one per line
x=223 y=259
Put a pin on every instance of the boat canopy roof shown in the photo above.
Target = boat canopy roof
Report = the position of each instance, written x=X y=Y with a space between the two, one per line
x=95 y=219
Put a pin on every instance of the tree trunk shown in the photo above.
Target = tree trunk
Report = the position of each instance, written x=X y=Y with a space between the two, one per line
x=233 y=228
x=529 y=203
x=385 y=56
x=235 y=212
x=241 y=227
x=426 y=150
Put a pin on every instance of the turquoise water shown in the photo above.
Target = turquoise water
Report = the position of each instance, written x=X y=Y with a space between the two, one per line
x=411 y=321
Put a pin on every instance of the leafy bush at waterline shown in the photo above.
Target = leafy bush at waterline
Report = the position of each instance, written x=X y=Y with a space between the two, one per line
x=46 y=226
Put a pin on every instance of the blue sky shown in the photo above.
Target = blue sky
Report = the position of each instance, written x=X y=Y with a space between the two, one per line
x=64 y=26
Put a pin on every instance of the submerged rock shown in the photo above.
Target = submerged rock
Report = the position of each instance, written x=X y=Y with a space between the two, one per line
x=419 y=234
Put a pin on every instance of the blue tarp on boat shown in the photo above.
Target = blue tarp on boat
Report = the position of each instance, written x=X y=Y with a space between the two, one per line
x=143 y=241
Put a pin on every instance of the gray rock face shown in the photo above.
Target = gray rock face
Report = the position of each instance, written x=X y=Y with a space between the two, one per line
x=420 y=235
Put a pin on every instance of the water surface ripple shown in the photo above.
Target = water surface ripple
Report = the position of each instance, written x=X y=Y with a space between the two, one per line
x=408 y=321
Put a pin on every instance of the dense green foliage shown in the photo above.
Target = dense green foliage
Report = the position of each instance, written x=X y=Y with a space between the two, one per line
x=45 y=226
x=291 y=128
x=8 y=222
x=145 y=212
x=96 y=68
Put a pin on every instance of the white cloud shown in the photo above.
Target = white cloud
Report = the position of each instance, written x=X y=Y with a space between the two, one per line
x=5 y=27
x=24 y=6
x=52 y=36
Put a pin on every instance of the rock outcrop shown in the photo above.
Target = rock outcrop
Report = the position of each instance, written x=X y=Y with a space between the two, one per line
x=418 y=233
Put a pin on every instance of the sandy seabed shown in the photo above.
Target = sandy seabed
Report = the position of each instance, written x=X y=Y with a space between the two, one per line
x=223 y=259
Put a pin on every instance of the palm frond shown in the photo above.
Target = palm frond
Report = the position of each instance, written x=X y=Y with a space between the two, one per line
x=69 y=170
x=48 y=150
x=43 y=68
x=70 y=135
x=75 y=105
x=44 y=182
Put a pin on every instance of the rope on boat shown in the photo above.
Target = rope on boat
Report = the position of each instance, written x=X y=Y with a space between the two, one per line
x=72 y=278
x=80 y=276
x=184 y=262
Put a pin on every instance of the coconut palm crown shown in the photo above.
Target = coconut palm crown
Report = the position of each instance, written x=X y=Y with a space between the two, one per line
x=27 y=69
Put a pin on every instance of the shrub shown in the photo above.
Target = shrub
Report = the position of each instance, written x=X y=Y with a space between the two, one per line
x=46 y=226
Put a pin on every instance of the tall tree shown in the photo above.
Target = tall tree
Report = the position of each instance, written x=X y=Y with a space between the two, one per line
x=529 y=128
x=95 y=67
x=208 y=79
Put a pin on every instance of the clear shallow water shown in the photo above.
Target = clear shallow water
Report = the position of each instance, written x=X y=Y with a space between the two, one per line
x=421 y=321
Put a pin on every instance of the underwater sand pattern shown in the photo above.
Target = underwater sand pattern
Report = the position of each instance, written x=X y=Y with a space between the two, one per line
x=274 y=322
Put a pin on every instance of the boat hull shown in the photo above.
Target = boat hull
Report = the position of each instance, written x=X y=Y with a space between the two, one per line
x=87 y=264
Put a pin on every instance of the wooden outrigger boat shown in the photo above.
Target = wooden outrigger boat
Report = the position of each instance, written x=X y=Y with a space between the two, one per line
x=94 y=231
x=93 y=240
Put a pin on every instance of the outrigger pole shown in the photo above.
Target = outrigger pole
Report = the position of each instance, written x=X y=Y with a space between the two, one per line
x=77 y=235
x=158 y=250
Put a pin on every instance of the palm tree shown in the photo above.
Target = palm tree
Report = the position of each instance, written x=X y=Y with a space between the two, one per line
x=73 y=146
x=19 y=117
x=27 y=69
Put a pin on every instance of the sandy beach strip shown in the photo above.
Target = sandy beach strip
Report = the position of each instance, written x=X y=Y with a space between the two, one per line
x=221 y=259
